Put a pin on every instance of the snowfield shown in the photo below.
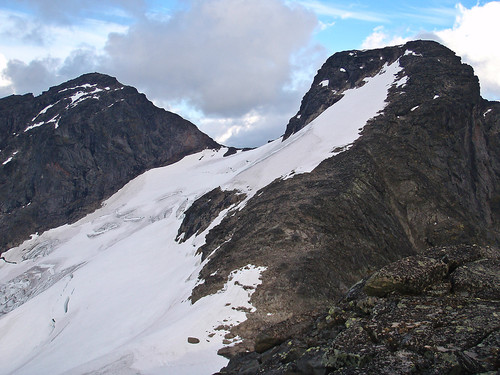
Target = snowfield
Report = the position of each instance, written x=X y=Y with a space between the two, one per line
x=110 y=293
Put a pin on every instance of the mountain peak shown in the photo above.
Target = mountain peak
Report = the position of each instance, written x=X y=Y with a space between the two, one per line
x=349 y=69
x=67 y=149
x=96 y=78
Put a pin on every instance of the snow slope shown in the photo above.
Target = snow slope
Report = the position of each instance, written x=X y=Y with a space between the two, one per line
x=109 y=293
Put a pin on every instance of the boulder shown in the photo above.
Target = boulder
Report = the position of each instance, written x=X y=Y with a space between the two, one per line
x=411 y=275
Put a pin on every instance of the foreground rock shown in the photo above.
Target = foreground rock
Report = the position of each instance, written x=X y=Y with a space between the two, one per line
x=435 y=325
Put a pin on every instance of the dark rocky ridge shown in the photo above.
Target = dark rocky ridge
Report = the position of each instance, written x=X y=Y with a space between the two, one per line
x=205 y=209
x=424 y=173
x=445 y=325
x=105 y=136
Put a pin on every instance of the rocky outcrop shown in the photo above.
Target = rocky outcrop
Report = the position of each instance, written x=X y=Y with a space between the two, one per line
x=205 y=209
x=429 y=327
x=66 y=150
x=410 y=275
x=424 y=173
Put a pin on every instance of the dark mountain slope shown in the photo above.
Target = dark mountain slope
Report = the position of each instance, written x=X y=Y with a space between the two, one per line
x=424 y=173
x=66 y=150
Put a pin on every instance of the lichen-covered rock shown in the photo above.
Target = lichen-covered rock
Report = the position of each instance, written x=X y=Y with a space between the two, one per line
x=411 y=275
x=429 y=333
x=479 y=279
x=455 y=256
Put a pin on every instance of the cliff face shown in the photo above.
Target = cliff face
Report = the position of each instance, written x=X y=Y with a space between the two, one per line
x=66 y=150
x=425 y=172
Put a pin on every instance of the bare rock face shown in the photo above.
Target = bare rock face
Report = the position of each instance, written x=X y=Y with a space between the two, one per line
x=66 y=150
x=423 y=330
x=424 y=174
x=204 y=210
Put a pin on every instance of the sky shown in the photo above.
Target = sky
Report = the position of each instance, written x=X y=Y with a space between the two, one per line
x=238 y=69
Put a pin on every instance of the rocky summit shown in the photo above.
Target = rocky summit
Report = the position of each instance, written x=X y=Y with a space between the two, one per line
x=74 y=145
x=363 y=241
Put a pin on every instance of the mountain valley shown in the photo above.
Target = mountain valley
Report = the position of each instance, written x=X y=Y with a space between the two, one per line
x=364 y=240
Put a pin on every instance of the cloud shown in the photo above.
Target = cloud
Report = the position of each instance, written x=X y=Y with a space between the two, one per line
x=33 y=77
x=429 y=15
x=475 y=37
x=24 y=37
x=70 y=11
x=380 y=38
x=342 y=12
x=38 y=75
x=240 y=63
x=240 y=66
x=225 y=56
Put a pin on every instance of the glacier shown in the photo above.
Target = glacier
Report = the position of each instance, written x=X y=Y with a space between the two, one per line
x=110 y=293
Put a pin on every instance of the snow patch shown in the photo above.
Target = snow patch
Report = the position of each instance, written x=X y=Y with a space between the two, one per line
x=44 y=110
x=84 y=86
x=80 y=96
x=488 y=111
x=9 y=159
x=435 y=97
x=54 y=119
x=414 y=108
x=324 y=83
x=410 y=52
x=342 y=70
x=401 y=83
x=34 y=126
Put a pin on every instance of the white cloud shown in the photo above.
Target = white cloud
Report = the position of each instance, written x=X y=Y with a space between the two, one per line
x=226 y=56
x=249 y=130
x=380 y=38
x=4 y=81
x=325 y=25
x=72 y=11
x=348 y=12
x=475 y=37
x=25 y=38
x=230 y=59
